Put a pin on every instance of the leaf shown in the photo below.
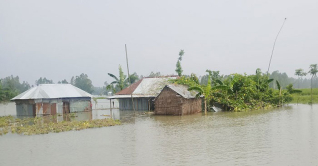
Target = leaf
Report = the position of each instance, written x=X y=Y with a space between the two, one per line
x=114 y=82
x=112 y=75
x=221 y=87
x=278 y=85
x=196 y=88
x=219 y=81
x=270 y=80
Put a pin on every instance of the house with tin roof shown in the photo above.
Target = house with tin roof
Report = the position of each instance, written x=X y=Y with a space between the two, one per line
x=140 y=95
x=51 y=99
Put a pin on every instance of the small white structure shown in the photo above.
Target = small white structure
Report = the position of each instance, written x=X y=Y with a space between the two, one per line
x=50 y=99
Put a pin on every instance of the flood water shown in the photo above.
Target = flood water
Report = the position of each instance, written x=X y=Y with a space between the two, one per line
x=285 y=136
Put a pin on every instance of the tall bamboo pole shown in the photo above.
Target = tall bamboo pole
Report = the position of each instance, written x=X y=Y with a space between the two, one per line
x=269 y=65
x=132 y=99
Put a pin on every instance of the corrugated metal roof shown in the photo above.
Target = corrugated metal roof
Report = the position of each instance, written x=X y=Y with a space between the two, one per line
x=147 y=87
x=151 y=86
x=130 y=89
x=47 y=91
x=183 y=91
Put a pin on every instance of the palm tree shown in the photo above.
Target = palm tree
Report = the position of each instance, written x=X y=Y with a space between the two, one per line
x=204 y=90
x=299 y=73
x=313 y=71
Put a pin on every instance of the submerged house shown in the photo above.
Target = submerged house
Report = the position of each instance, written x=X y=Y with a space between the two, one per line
x=177 y=100
x=50 y=99
x=142 y=93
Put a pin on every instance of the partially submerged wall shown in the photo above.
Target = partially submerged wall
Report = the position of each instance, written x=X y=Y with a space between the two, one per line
x=168 y=103
x=140 y=104
x=171 y=103
x=52 y=106
x=191 y=106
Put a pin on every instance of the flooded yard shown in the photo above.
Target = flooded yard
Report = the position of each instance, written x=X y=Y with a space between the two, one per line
x=284 y=136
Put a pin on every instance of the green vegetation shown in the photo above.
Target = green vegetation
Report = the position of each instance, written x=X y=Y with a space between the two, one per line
x=63 y=82
x=238 y=92
x=313 y=71
x=45 y=125
x=10 y=87
x=121 y=82
x=202 y=89
x=300 y=73
x=304 y=96
x=43 y=81
x=83 y=82
x=178 y=65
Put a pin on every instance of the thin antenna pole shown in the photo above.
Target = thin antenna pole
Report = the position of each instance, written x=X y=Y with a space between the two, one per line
x=132 y=100
x=269 y=65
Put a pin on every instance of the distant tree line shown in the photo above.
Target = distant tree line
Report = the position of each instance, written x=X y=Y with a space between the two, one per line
x=11 y=86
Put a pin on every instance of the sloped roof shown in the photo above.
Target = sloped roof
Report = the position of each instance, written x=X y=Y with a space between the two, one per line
x=52 y=91
x=129 y=90
x=183 y=90
x=146 y=87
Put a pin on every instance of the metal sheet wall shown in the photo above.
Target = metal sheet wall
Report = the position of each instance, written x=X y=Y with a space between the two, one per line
x=25 y=110
x=140 y=104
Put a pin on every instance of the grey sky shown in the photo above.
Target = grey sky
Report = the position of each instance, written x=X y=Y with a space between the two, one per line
x=60 y=39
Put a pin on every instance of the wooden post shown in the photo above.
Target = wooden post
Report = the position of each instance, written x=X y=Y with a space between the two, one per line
x=110 y=110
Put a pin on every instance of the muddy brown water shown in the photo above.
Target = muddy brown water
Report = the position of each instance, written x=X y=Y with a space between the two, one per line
x=284 y=136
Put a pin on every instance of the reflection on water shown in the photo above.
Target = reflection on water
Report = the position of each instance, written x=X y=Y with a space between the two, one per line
x=283 y=136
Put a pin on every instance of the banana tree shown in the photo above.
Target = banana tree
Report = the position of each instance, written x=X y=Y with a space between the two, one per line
x=280 y=91
x=120 y=83
x=204 y=90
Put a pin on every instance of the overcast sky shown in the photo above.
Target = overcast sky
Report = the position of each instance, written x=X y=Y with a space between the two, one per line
x=59 y=39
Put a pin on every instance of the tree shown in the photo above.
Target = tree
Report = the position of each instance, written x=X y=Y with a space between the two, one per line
x=72 y=81
x=300 y=73
x=11 y=86
x=84 y=83
x=63 y=82
x=178 y=65
x=204 y=90
x=119 y=82
x=313 y=71
x=43 y=81
x=152 y=74
x=133 y=78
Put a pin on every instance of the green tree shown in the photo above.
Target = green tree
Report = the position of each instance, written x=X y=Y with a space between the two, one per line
x=11 y=86
x=300 y=73
x=152 y=74
x=205 y=91
x=119 y=82
x=63 y=82
x=133 y=78
x=313 y=71
x=43 y=81
x=178 y=65
x=83 y=82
